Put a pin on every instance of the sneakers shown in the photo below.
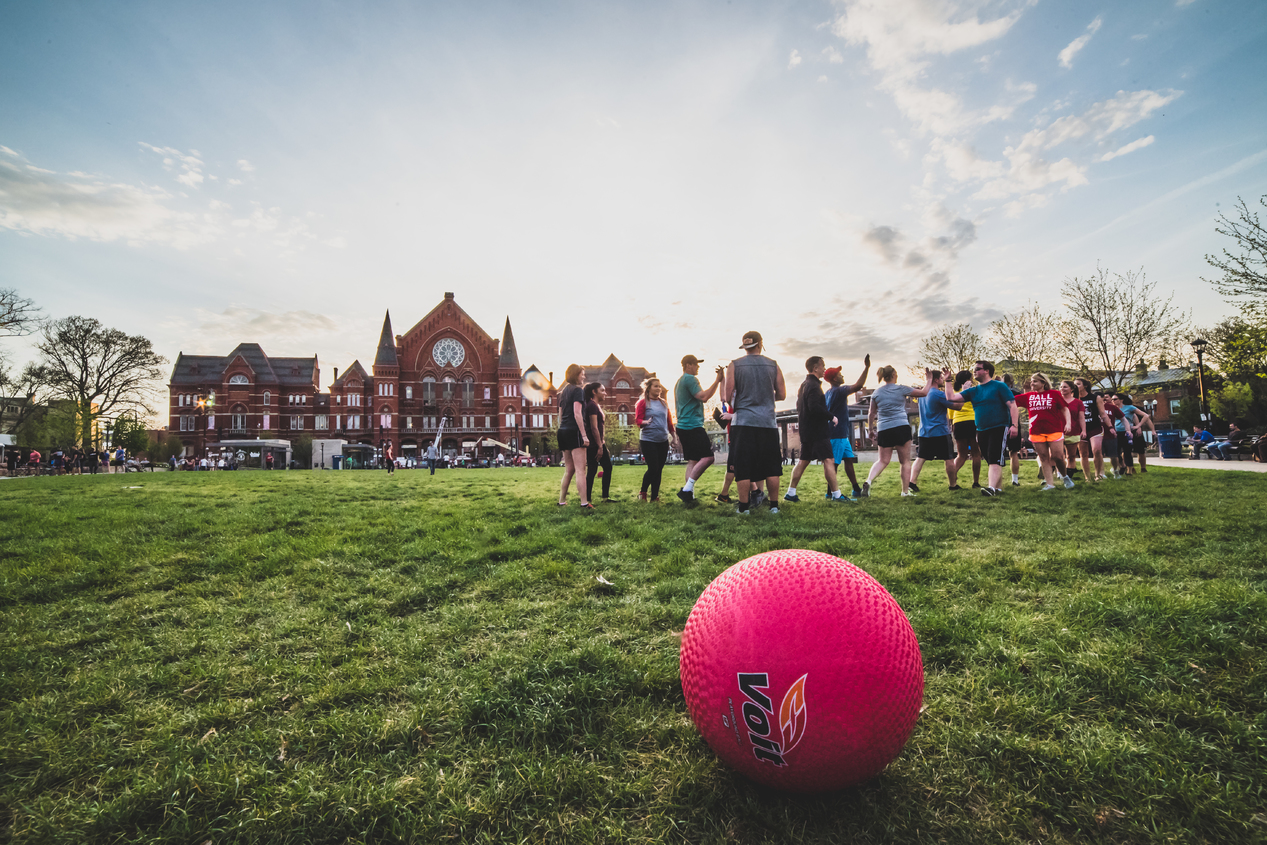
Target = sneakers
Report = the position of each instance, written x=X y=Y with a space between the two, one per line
x=866 y=490
x=1016 y=483
x=912 y=495
x=976 y=486
x=857 y=492
x=1047 y=487
x=792 y=497
x=588 y=507
x=956 y=487
x=642 y=497
x=687 y=497
x=742 y=511
x=724 y=499
x=773 y=508
x=990 y=491
x=912 y=486
x=840 y=499
x=1068 y=483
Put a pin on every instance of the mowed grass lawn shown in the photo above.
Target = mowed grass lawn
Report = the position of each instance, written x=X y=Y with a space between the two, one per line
x=343 y=657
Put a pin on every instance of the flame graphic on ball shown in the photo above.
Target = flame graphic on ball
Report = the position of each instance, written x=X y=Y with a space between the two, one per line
x=792 y=715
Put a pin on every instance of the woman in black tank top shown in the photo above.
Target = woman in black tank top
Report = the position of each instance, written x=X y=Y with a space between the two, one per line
x=1093 y=420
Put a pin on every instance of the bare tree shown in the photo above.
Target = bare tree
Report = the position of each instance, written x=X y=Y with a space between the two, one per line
x=1244 y=275
x=102 y=371
x=1029 y=335
x=1117 y=320
x=18 y=316
x=955 y=347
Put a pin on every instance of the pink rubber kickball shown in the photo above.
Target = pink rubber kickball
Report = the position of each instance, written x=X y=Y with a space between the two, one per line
x=801 y=671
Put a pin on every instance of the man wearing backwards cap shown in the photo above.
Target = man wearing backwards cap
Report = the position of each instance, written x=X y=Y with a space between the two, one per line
x=753 y=384
x=697 y=449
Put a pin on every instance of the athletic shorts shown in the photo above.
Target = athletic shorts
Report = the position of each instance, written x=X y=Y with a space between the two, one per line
x=1073 y=439
x=695 y=444
x=842 y=451
x=966 y=432
x=891 y=438
x=755 y=453
x=819 y=450
x=1140 y=445
x=569 y=439
x=1045 y=438
x=993 y=443
x=939 y=447
x=1108 y=446
x=1014 y=444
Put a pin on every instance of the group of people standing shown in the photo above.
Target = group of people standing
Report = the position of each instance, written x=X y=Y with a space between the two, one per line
x=967 y=416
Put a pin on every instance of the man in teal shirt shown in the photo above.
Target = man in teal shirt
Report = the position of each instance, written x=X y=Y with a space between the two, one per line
x=997 y=419
x=697 y=449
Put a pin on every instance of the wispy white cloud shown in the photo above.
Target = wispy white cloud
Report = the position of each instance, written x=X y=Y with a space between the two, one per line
x=245 y=166
x=190 y=163
x=1076 y=45
x=1128 y=148
x=43 y=202
x=833 y=55
x=794 y=59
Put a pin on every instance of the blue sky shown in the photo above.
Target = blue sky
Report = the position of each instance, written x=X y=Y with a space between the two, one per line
x=639 y=178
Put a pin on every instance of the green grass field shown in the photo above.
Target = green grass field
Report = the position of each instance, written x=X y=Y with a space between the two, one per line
x=342 y=657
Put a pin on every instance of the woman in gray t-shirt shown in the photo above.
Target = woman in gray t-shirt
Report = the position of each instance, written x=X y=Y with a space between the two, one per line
x=890 y=428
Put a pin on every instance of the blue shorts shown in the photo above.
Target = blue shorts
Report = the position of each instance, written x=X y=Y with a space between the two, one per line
x=842 y=450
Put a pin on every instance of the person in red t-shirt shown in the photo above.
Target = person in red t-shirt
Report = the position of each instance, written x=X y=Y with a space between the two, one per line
x=1048 y=424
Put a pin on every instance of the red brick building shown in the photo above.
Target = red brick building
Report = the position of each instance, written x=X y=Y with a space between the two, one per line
x=444 y=368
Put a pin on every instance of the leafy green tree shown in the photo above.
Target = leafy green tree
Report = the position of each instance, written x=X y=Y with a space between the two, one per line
x=1238 y=347
x=130 y=434
x=51 y=426
x=1189 y=413
x=162 y=449
x=301 y=451
x=1232 y=402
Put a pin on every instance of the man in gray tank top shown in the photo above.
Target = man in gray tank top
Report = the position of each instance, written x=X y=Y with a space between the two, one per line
x=753 y=384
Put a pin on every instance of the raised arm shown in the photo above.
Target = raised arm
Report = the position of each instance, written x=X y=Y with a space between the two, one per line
x=705 y=394
x=952 y=395
x=921 y=392
x=862 y=379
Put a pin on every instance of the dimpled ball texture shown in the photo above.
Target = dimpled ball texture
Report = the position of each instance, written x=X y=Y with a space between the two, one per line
x=801 y=671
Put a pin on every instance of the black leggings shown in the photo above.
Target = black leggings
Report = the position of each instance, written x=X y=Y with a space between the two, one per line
x=593 y=461
x=656 y=454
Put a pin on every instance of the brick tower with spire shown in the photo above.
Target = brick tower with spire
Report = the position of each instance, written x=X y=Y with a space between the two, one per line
x=510 y=403
x=386 y=407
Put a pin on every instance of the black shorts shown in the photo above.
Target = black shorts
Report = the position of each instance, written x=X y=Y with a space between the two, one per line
x=819 y=450
x=1014 y=445
x=966 y=432
x=755 y=453
x=695 y=444
x=1108 y=446
x=993 y=442
x=891 y=438
x=570 y=439
x=938 y=447
x=1140 y=446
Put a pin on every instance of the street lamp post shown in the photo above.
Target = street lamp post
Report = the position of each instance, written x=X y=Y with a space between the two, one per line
x=1199 y=346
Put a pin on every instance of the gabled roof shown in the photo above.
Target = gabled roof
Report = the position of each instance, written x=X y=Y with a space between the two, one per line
x=206 y=369
x=606 y=372
x=386 y=356
x=357 y=370
x=1156 y=379
x=509 y=358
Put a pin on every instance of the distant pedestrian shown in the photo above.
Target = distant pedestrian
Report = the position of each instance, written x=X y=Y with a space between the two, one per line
x=433 y=455
x=389 y=458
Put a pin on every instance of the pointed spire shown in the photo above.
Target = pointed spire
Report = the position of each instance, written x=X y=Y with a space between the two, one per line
x=386 y=345
x=510 y=356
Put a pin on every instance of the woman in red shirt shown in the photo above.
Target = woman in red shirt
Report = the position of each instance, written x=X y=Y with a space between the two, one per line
x=1077 y=431
x=1048 y=424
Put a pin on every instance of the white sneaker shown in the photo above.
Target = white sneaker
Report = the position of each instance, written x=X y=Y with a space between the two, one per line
x=912 y=495
x=774 y=510
x=1047 y=487
x=1068 y=483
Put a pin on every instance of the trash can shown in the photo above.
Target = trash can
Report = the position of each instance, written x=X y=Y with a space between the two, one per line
x=1170 y=443
x=335 y=460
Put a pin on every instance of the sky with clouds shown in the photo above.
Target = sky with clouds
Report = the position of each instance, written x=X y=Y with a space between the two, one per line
x=645 y=179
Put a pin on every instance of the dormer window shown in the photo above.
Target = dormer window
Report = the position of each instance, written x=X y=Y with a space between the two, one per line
x=622 y=385
x=239 y=379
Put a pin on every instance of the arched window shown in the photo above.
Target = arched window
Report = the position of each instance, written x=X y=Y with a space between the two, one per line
x=510 y=416
x=622 y=385
x=468 y=391
x=239 y=379
x=267 y=397
x=428 y=389
x=447 y=389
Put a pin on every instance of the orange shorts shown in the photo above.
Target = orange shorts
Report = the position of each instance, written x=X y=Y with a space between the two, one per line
x=1045 y=438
